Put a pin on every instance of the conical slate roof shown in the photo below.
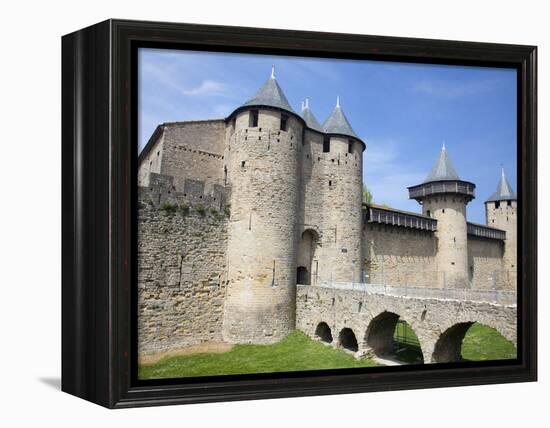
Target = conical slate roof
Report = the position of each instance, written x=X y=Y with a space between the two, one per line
x=337 y=123
x=309 y=117
x=504 y=191
x=443 y=169
x=270 y=94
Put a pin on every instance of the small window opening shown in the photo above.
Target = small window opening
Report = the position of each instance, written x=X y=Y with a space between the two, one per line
x=509 y=203
x=329 y=183
x=326 y=145
x=253 y=119
x=497 y=204
x=429 y=213
x=443 y=210
x=284 y=122
x=350 y=146
x=243 y=163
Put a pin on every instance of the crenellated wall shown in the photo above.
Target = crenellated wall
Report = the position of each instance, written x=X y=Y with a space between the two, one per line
x=181 y=283
x=232 y=216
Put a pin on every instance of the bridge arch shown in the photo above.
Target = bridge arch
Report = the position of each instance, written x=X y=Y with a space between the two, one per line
x=323 y=332
x=448 y=347
x=347 y=340
x=381 y=337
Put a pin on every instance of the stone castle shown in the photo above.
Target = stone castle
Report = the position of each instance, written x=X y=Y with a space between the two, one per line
x=234 y=214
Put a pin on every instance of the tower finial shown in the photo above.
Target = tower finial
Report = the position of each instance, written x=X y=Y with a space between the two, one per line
x=273 y=71
x=443 y=148
x=337 y=101
x=303 y=105
x=502 y=169
x=307 y=102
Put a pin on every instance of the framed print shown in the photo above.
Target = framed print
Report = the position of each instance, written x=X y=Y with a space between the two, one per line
x=253 y=213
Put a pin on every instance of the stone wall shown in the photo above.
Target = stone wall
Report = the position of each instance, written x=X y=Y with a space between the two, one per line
x=264 y=173
x=332 y=206
x=440 y=324
x=485 y=263
x=181 y=272
x=151 y=160
x=452 y=238
x=397 y=255
x=504 y=216
x=194 y=150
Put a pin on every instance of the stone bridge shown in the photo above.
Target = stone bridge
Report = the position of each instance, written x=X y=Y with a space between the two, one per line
x=363 y=318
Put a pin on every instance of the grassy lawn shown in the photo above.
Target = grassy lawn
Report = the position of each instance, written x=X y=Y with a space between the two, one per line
x=408 y=346
x=482 y=343
x=296 y=352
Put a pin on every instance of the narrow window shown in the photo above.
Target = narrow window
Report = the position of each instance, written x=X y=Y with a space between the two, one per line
x=428 y=213
x=509 y=203
x=350 y=146
x=225 y=174
x=234 y=122
x=253 y=119
x=329 y=183
x=284 y=122
x=326 y=145
x=497 y=204
x=243 y=163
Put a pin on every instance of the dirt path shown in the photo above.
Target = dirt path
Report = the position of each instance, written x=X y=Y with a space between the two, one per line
x=216 y=347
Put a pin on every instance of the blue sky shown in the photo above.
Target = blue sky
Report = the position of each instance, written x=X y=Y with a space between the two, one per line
x=404 y=112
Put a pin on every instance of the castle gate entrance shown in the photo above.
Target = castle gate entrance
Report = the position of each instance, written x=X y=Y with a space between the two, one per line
x=305 y=274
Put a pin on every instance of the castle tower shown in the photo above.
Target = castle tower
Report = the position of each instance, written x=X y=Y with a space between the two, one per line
x=444 y=196
x=501 y=212
x=263 y=145
x=341 y=194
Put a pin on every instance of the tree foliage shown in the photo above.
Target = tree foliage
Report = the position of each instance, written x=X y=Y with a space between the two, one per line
x=367 y=195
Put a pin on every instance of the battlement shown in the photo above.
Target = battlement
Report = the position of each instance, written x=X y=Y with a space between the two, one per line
x=394 y=217
x=482 y=231
x=196 y=193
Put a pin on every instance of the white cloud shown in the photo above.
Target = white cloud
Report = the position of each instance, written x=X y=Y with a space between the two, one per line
x=207 y=87
x=173 y=78
x=388 y=176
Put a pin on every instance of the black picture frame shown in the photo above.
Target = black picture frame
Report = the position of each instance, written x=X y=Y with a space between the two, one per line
x=99 y=155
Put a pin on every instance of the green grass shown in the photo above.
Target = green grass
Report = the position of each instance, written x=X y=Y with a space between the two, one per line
x=483 y=343
x=296 y=352
x=407 y=342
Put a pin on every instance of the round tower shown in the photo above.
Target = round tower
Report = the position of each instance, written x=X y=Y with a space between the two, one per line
x=444 y=196
x=264 y=140
x=341 y=192
x=501 y=212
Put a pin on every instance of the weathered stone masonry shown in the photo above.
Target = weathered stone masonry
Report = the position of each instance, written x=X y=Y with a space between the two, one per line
x=181 y=272
x=440 y=324
x=234 y=212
